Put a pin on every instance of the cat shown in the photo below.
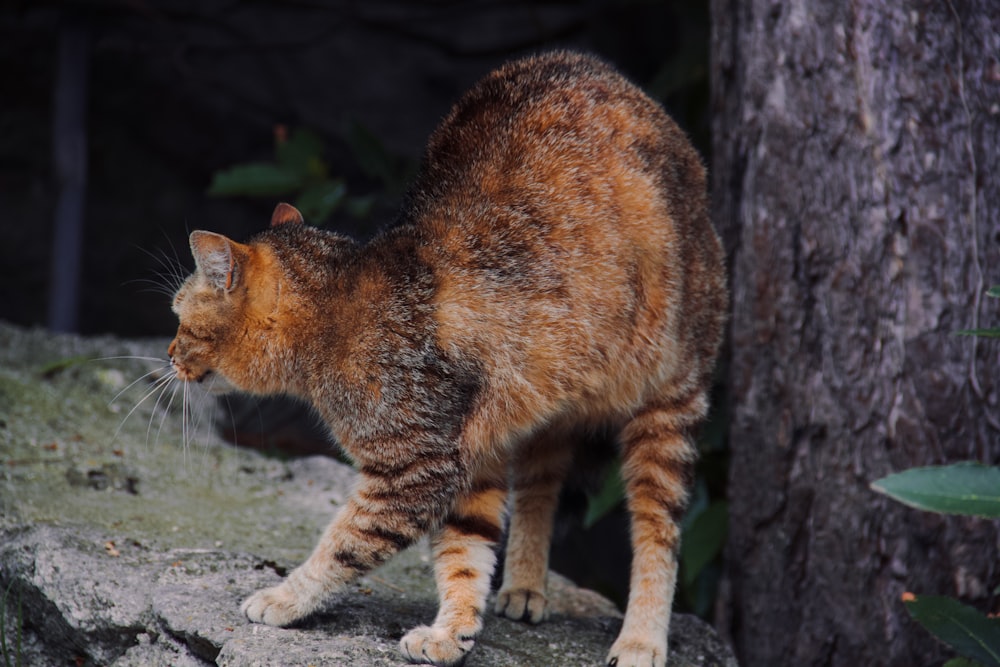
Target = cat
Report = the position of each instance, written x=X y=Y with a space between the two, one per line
x=553 y=272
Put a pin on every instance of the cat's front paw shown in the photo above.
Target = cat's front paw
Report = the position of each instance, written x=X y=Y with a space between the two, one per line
x=631 y=653
x=278 y=605
x=435 y=646
x=521 y=604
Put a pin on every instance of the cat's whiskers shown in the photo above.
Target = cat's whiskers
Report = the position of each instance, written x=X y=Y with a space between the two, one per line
x=132 y=356
x=157 y=385
x=185 y=419
x=164 y=366
x=165 y=411
x=137 y=381
x=164 y=384
x=158 y=286
x=170 y=381
x=232 y=420
x=169 y=275
x=205 y=409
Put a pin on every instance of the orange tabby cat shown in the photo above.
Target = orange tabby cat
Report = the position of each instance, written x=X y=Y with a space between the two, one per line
x=553 y=271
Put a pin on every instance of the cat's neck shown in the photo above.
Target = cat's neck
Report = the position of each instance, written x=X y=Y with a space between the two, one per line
x=365 y=307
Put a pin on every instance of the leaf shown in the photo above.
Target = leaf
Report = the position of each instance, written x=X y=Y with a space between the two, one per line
x=962 y=488
x=703 y=540
x=53 y=368
x=701 y=594
x=962 y=662
x=374 y=160
x=969 y=632
x=255 y=179
x=302 y=154
x=698 y=502
x=983 y=333
x=612 y=492
x=994 y=292
x=361 y=207
x=318 y=201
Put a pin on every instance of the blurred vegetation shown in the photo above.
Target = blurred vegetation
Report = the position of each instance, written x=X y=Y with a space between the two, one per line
x=10 y=650
x=991 y=332
x=300 y=172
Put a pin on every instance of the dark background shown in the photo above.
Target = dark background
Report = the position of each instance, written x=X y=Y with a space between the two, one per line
x=178 y=90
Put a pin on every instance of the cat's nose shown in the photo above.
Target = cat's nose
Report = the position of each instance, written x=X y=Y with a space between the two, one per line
x=172 y=349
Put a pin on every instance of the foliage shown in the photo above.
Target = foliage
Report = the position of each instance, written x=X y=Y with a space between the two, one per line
x=705 y=535
x=607 y=498
x=53 y=368
x=11 y=655
x=993 y=292
x=962 y=488
x=970 y=633
x=966 y=488
x=299 y=170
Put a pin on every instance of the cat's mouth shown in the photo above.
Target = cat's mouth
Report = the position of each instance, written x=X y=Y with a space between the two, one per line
x=213 y=381
x=188 y=375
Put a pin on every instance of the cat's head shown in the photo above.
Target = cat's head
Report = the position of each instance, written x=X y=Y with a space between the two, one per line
x=228 y=309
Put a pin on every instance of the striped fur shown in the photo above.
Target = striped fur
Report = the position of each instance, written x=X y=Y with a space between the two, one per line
x=553 y=271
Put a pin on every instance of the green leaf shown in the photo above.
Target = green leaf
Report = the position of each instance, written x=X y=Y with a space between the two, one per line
x=302 y=154
x=698 y=502
x=703 y=540
x=994 y=292
x=318 y=201
x=962 y=488
x=962 y=662
x=969 y=632
x=700 y=595
x=611 y=494
x=255 y=179
x=361 y=207
x=374 y=160
x=983 y=333
x=11 y=658
x=53 y=368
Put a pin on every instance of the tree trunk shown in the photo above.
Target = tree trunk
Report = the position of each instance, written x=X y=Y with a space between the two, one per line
x=856 y=182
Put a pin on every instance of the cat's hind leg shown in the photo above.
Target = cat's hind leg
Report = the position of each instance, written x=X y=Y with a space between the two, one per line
x=464 y=559
x=658 y=458
x=539 y=468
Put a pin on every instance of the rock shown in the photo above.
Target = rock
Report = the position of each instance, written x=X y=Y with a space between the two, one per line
x=127 y=539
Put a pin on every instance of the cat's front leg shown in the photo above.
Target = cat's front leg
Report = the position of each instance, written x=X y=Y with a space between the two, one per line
x=380 y=519
x=293 y=599
x=464 y=559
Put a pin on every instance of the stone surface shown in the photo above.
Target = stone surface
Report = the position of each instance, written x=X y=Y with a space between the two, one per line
x=127 y=539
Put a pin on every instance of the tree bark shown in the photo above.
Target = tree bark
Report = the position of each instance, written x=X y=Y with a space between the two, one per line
x=856 y=182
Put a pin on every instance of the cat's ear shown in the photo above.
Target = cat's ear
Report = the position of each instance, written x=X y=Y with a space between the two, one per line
x=286 y=214
x=216 y=257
